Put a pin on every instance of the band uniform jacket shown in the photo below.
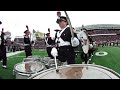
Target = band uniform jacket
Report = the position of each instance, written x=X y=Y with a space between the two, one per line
x=3 y=41
x=27 y=43
x=64 y=47
x=66 y=35
x=49 y=41
x=3 y=48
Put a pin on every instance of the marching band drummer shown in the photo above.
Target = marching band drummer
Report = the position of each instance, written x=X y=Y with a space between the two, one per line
x=64 y=42
x=90 y=52
x=27 y=43
x=83 y=38
x=49 y=41
x=3 y=55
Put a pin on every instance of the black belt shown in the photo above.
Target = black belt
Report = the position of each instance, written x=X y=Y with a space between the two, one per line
x=65 y=46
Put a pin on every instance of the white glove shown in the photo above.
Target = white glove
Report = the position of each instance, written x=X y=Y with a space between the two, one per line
x=54 y=52
x=91 y=46
x=75 y=42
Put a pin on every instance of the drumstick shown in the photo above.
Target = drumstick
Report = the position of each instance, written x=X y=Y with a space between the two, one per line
x=70 y=25
x=57 y=70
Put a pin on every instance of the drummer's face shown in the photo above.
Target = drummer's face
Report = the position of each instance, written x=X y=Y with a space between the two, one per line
x=27 y=33
x=62 y=24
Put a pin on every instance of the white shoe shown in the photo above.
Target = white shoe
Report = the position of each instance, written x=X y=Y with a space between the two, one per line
x=93 y=63
x=4 y=66
x=83 y=62
x=90 y=59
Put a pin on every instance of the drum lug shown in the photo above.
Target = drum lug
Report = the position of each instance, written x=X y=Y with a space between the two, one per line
x=30 y=75
x=13 y=72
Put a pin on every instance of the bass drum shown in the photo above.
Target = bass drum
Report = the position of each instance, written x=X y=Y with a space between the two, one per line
x=77 y=71
x=24 y=70
x=82 y=36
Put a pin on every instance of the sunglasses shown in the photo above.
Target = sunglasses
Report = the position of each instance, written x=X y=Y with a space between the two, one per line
x=60 y=20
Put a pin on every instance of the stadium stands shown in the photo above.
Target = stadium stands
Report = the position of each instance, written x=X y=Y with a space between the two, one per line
x=104 y=34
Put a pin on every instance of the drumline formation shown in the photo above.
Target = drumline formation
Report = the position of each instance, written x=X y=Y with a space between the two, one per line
x=44 y=67
x=27 y=68
x=32 y=65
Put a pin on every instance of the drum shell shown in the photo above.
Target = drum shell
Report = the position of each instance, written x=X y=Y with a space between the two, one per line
x=22 y=74
x=108 y=73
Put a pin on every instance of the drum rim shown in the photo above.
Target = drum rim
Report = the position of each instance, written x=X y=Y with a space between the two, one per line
x=79 y=65
x=31 y=59
x=43 y=66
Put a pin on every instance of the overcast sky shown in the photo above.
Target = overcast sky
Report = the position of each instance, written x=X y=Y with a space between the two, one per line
x=16 y=21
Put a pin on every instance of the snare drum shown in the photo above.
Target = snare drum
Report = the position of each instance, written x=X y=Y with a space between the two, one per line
x=77 y=71
x=24 y=70
x=31 y=58
x=49 y=63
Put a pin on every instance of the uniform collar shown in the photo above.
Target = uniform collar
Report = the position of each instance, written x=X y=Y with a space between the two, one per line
x=64 y=28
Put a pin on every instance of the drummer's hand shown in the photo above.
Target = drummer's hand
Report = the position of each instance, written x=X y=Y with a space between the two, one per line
x=75 y=42
x=54 y=52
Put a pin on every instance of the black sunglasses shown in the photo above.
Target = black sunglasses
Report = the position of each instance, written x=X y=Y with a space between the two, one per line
x=60 y=20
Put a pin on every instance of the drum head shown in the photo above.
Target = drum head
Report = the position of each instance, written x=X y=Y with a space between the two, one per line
x=78 y=71
x=84 y=41
x=29 y=67
x=85 y=48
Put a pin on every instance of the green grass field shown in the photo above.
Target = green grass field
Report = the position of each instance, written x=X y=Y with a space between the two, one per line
x=112 y=60
x=8 y=73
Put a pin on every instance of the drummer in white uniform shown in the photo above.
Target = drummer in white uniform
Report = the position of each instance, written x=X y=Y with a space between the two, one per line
x=82 y=36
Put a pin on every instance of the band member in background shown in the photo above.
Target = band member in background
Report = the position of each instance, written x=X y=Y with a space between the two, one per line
x=90 y=52
x=49 y=41
x=63 y=40
x=3 y=55
x=83 y=39
x=27 y=43
x=56 y=31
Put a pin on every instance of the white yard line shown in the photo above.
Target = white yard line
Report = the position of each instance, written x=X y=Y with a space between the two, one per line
x=14 y=53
